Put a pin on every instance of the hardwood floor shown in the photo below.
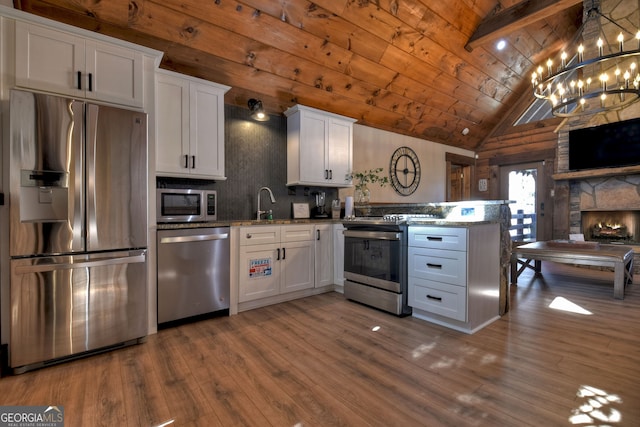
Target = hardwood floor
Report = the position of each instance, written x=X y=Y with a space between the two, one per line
x=324 y=361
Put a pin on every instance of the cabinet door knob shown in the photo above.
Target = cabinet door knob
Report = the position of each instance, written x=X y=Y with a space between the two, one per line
x=330 y=174
x=79 y=73
x=434 y=298
x=193 y=162
x=248 y=236
x=284 y=253
x=90 y=82
x=186 y=161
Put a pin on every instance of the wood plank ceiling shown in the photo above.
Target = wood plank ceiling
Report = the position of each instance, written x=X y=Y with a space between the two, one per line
x=422 y=68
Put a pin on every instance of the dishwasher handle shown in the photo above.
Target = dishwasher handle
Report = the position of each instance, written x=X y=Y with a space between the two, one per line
x=196 y=238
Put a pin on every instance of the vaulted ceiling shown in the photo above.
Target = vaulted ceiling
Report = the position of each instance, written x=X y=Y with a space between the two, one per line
x=424 y=68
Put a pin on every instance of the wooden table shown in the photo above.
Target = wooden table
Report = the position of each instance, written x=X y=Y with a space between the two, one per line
x=618 y=257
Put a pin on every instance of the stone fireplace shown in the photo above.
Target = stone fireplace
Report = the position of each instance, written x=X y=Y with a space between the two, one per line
x=617 y=227
x=608 y=201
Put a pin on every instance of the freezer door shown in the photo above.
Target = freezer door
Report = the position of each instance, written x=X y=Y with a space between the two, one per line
x=46 y=178
x=66 y=305
x=116 y=158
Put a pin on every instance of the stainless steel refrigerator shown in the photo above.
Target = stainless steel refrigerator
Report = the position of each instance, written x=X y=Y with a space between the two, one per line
x=78 y=228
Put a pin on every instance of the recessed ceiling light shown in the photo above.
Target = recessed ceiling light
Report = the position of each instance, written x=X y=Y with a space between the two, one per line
x=501 y=44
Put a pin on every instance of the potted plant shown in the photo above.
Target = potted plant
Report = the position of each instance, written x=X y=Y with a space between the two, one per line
x=362 y=194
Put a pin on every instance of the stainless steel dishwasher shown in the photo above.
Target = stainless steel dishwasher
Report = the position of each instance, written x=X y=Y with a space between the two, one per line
x=193 y=272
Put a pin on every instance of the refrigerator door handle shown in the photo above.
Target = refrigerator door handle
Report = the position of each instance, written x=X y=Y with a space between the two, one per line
x=199 y=238
x=83 y=264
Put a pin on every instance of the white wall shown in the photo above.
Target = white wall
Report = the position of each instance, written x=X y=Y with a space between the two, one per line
x=373 y=148
x=8 y=3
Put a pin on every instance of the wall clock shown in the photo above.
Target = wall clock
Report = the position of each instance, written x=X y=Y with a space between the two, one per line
x=405 y=171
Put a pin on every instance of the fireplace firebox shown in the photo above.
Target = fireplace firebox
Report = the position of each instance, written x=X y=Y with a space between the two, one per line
x=611 y=226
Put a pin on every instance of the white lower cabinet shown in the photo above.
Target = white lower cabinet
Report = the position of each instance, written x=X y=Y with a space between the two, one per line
x=338 y=257
x=275 y=260
x=454 y=275
x=323 y=235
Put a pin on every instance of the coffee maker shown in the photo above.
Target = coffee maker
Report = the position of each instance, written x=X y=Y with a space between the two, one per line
x=320 y=211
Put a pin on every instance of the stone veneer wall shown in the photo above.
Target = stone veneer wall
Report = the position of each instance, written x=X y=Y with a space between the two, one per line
x=610 y=193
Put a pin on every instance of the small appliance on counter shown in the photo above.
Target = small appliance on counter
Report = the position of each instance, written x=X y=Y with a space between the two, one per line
x=320 y=211
x=335 y=209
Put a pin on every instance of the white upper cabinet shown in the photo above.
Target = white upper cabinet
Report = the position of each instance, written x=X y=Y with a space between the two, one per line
x=55 y=61
x=189 y=126
x=319 y=147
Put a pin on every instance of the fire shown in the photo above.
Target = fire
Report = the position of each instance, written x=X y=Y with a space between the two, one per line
x=609 y=226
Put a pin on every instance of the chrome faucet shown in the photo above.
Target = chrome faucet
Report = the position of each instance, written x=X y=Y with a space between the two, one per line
x=273 y=200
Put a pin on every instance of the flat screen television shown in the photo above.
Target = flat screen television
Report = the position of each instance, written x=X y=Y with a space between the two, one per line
x=607 y=146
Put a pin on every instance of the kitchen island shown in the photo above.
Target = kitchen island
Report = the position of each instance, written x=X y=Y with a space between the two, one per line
x=460 y=214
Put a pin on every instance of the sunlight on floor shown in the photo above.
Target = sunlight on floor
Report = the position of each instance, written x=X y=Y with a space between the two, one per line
x=595 y=409
x=560 y=303
x=422 y=349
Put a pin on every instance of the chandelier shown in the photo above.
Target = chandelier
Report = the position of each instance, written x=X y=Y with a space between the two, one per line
x=609 y=81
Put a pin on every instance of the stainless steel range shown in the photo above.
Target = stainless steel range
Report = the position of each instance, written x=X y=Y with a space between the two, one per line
x=375 y=261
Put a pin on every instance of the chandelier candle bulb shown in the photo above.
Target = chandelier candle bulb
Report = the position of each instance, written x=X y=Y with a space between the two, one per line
x=549 y=64
x=603 y=78
x=600 y=43
x=621 y=41
x=581 y=52
x=563 y=57
x=638 y=38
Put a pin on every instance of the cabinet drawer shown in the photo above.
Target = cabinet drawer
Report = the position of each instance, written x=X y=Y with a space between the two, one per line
x=297 y=233
x=450 y=238
x=438 y=298
x=441 y=266
x=259 y=235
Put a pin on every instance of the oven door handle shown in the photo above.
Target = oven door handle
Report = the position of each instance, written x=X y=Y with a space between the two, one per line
x=374 y=235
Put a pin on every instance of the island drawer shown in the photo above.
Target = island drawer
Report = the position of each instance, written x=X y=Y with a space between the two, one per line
x=450 y=238
x=438 y=298
x=442 y=266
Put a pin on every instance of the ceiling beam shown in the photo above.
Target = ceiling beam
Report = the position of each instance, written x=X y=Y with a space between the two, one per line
x=514 y=18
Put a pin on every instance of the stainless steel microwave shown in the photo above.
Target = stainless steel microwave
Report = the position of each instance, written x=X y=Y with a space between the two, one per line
x=185 y=205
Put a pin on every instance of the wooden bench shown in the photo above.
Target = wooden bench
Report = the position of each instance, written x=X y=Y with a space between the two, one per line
x=618 y=257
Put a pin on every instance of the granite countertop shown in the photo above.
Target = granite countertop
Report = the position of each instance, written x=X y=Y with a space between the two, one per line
x=450 y=223
x=463 y=213
x=247 y=222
